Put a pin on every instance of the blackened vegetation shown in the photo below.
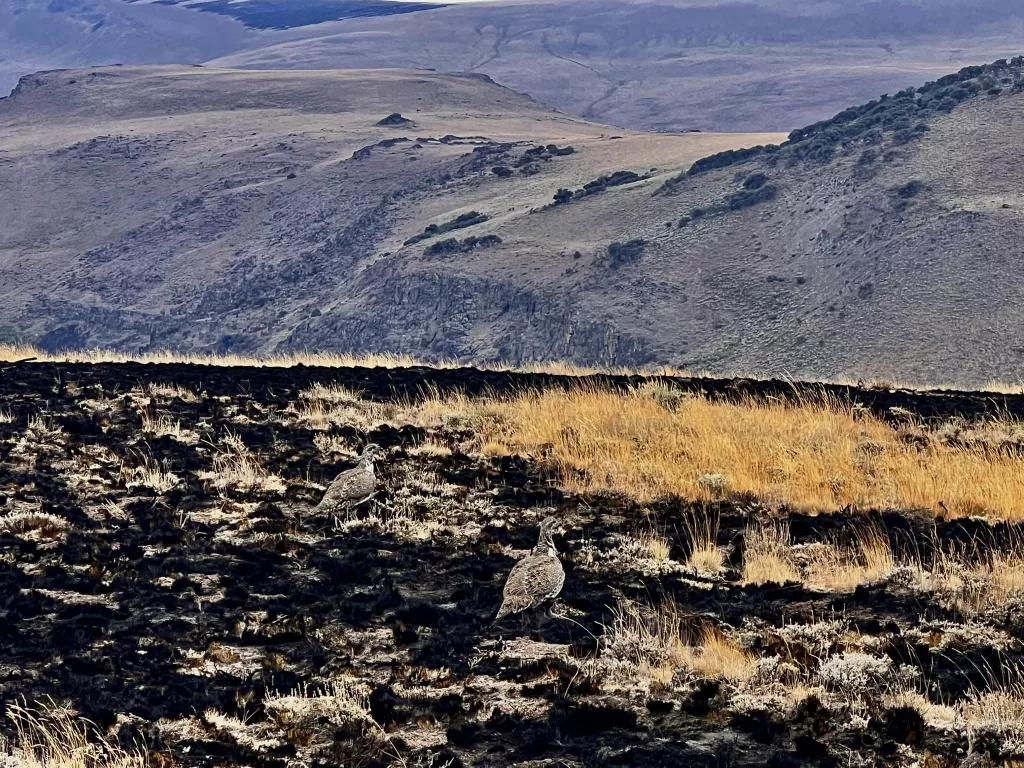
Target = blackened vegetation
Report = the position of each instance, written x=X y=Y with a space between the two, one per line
x=395 y=120
x=895 y=119
x=365 y=152
x=453 y=245
x=459 y=222
x=630 y=252
x=186 y=603
x=755 y=189
x=597 y=186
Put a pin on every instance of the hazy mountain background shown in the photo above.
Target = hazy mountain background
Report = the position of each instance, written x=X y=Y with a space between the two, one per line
x=690 y=64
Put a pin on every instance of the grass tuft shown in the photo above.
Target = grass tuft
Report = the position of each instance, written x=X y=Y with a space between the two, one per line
x=767 y=556
x=53 y=737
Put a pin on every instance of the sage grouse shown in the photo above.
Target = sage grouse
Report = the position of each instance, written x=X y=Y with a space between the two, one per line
x=535 y=578
x=351 y=487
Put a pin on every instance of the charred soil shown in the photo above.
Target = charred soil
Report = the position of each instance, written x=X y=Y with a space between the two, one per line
x=170 y=597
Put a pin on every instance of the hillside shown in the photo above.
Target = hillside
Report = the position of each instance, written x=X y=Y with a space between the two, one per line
x=260 y=211
x=757 y=65
x=200 y=209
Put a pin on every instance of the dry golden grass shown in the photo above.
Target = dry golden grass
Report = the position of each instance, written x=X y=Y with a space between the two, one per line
x=656 y=547
x=54 y=738
x=235 y=467
x=996 y=713
x=15 y=352
x=42 y=429
x=976 y=583
x=161 y=391
x=163 y=425
x=715 y=656
x=338 y=702
x=767 y=557
x=816 y=456
x=37 y=523
x=705 y=554
x=149 y=475
x=658 y=642
x=841 y=569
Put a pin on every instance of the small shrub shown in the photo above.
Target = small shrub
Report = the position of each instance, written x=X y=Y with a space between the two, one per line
x=755 y=180
x=459 y=222
x=855 y=671
x=909 y=190
x=747 y=197
x=629 y=252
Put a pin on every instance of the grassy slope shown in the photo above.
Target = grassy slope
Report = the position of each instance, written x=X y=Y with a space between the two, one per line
x=172 y=222
x=191 y=208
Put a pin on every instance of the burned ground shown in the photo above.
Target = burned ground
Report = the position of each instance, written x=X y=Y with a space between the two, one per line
x=162 y=575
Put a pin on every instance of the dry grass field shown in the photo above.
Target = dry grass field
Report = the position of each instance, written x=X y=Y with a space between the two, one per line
x=751 y=578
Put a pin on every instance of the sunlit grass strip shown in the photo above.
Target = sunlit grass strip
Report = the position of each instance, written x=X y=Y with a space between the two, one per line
x=818 y=455
x=15 y=352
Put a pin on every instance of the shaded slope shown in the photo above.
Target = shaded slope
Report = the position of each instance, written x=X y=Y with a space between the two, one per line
x=883 y=243
x=204 y=209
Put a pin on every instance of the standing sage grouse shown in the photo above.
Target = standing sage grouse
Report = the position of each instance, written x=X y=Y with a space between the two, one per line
x=535 y=578
x=351 y=487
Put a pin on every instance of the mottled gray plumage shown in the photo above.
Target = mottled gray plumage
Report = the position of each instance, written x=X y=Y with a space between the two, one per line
x=351 y=486
x=537 y=577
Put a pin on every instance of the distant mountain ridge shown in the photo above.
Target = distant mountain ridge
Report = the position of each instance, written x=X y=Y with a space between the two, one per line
x=668 y=65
